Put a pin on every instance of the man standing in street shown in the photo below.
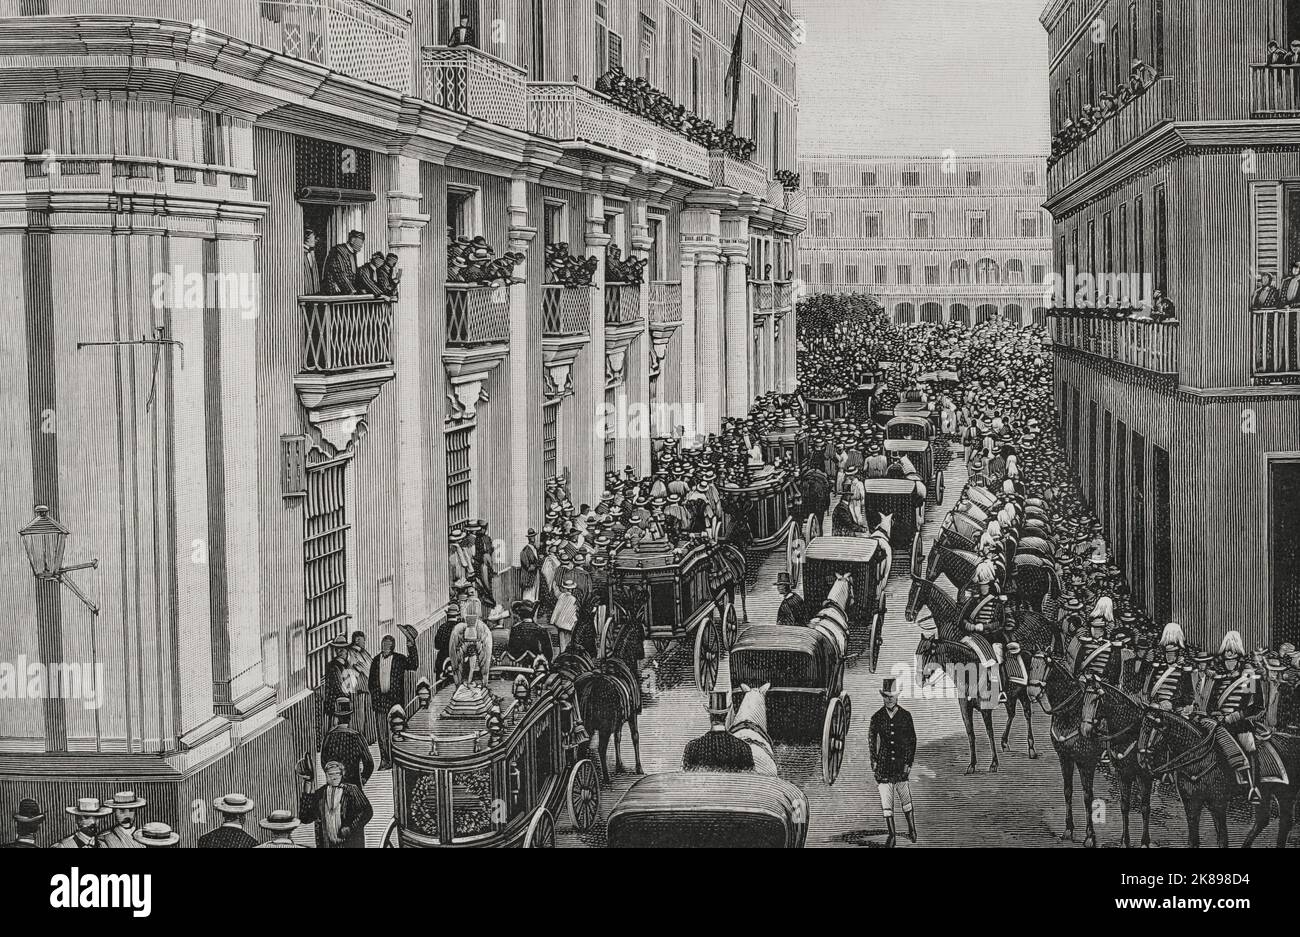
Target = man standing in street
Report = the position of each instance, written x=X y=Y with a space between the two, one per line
x=28 y=819
x=231 y=833
x=387 y=684
x=339 y=810
x=88 y=812
x=792 y=610
x=892 y=745
x=530 y=564
x=122 y=834
x=346 y=746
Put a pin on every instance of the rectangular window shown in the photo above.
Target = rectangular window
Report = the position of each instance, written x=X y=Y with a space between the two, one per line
x=821 y=225
x=1123 y=239
x=646 y=40
x=821 y=180
x=553 y=228
x=1092 y=79
x=931 y=274
x=904 y=274
x=850 y=273
x=1162 y=565
x=1162 y=239
x=881 y=273
x=1037 y=274
x=868 y=180
x=1120 y=543
x=325 y=564
x=615 y=50
x=753 y=117
x=911 y=179
x=1139 y=238
x=1103 y=487
x=602 y=40
x=805 y=272
x=1092 y=246
x=1138 y=548
x=611 y=439
x=776 y=139
x=1118 y=57
x=1133 y=31
x=460 y=481
x=550 y=438
x=1108 y=243
x=1090 y=475
x=1027 y=222
x=922 y=224
x=974 y=179
x=871 y=224
x=827 y=273
x=462 y=214
x=975 y=224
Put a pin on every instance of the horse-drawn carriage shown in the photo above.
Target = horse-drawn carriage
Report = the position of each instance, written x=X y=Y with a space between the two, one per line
x=866 y=562
x=904 y=500
x=705 y=809
x=827 y=409
x=921 y=454
x=456 y=783
x=767 y=499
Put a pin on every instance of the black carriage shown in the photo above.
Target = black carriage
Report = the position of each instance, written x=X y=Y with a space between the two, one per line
x=785 y=439
x=828 y=409
x=904 y=501
x=922 y=456
x=867 y=565
x=767 y=497
x=709 y=810
x=455 y=784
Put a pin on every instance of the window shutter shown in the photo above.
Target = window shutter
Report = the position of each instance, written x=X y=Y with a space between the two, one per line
x=1266 y=227
x=615 y=50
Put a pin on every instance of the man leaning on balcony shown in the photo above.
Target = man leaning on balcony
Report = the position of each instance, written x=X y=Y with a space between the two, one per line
x=340 y=278
x=1266 y=294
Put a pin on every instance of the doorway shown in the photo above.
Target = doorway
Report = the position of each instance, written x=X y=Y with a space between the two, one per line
x=1284 y=550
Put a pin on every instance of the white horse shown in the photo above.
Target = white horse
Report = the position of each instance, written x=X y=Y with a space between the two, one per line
x=749 y=724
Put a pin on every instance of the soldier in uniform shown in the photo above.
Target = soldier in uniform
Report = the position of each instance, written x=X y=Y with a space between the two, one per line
x=1096 y=653
x=1170 y=680
x=1232 y=700
x=892 y=745
x=792 y=610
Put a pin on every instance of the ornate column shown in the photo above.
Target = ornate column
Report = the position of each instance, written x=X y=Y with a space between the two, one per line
x=525 y=414
x=687 y=405
x=405 y=224
x=635 y=446
x=589 y=470
x=701 y=232
x=739 y=321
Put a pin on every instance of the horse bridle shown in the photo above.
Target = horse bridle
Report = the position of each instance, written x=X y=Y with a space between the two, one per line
x=1186 y=759
x=1066 y=703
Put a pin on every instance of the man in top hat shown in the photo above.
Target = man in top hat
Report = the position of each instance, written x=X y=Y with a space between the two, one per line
x=718 y=749
x=565 y=614
x=87 y=813
x=121 y=834
x=231 y=833
x=530 y=564
x=340 y=810
x=526 y=636
x=346 y=746
x=28 y=819
x=387 y=684
x=791 y=611
x=892 y=745
x=156 y=836
x=339 y=680
x=282 y=823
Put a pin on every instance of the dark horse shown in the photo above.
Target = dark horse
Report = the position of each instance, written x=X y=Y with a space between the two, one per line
x=1121 y=714
x=814 y=499
x=1060 y=695
x=1171 y=743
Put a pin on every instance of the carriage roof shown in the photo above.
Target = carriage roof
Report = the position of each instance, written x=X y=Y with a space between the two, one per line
x=844 y=549
x=889 y=486
x=907 y=445
x=634 y=559
x=793 y=638
x=710 y=809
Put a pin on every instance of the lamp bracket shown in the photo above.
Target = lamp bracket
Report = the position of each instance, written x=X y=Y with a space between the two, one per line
x=157 y=342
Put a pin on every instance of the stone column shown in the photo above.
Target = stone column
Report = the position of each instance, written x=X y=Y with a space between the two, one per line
x=687 y=409
x=405 y=224
x=636 y=442
x=589 y=385
x=525 y=504
x=700 y=237
x=739 y=324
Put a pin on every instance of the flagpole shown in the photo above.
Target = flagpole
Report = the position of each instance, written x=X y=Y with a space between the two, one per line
x=737 y=52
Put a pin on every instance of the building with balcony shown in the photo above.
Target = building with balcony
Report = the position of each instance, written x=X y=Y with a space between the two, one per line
x=1184 y=427
x=935 y=239
x=288 y=470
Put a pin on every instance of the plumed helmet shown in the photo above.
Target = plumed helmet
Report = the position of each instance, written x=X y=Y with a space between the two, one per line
x=1232 y=644
x=1173 y=635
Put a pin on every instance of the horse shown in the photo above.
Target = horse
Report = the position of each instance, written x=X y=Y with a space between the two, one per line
x=1121 y=713
x=1169 y=742
x=748 y=723
x=814 y=500
x=1054 y=688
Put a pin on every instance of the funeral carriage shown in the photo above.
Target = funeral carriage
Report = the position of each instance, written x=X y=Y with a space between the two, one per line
x=709 y=810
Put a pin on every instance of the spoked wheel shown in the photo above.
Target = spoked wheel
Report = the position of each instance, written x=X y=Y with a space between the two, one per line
x=835 y=732
x=918 y=556
x=873 y=649
x=584 y=795
x=814 y=527
x=541 y=831
x=390 y=836
x=730 y=629
x=708 y=651
x=794 y=552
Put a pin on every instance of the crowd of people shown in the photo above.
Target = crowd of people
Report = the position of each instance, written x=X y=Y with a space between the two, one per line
x=1092 y=117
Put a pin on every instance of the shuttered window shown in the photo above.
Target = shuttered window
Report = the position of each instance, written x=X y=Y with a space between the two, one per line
x=325 y=579
x=611 y=454
x=460 y=476
x=550 y=439
x=1266 y=227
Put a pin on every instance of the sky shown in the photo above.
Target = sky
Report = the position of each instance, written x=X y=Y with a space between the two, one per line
x=919 y=77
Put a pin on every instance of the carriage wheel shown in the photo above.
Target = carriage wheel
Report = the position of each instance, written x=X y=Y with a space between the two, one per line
x=708 y=650
x=835 y=733
x=391 y=840
x=938 y=487
x=918 y=555
x=814 y=527
x=792 y=556
x=541 y=831
x=729 y=627
x=873 y=649
x=584 y=795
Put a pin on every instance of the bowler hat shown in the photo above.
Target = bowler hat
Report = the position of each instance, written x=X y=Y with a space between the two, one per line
x=523 y=609
x=29 y=811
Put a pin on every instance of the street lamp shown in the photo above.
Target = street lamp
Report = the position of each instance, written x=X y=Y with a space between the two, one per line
x=44 y=540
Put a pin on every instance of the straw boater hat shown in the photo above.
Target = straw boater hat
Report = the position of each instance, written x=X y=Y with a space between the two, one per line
x=89 y=807
x=719 y=702
x=280 y=821
x=126 y=800
x=233 y=804
x=156 y=834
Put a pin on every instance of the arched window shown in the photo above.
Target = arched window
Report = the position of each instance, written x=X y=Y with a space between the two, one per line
x=986 y=270
x=1015 y=271
x=959 y=313
x=931 y=312
x=1039 y=315
x=1014 y=314
x=959 y=272
x=985 y=312
x=904 y=314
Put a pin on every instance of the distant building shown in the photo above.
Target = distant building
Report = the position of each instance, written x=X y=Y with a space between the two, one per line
x=935 y=239
x=1186 y=436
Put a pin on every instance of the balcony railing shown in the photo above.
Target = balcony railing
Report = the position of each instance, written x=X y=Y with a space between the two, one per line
x=469 y=81
x=622 y=303
x=1138 y=343
x=665 y=302
x=568 y=112
x=346 y=333
x=358 y=38
x=1143 y=113
x=1275 y=91
x=796 y=203
x=762 y=298
x=784 y=297
x=477 y=315
x=1276 y=344
x=566 y=310
x=725 y=171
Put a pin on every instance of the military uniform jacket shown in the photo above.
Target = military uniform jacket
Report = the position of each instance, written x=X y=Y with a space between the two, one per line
x=1233 y=693
x=892 y=743
x=1171 y=683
